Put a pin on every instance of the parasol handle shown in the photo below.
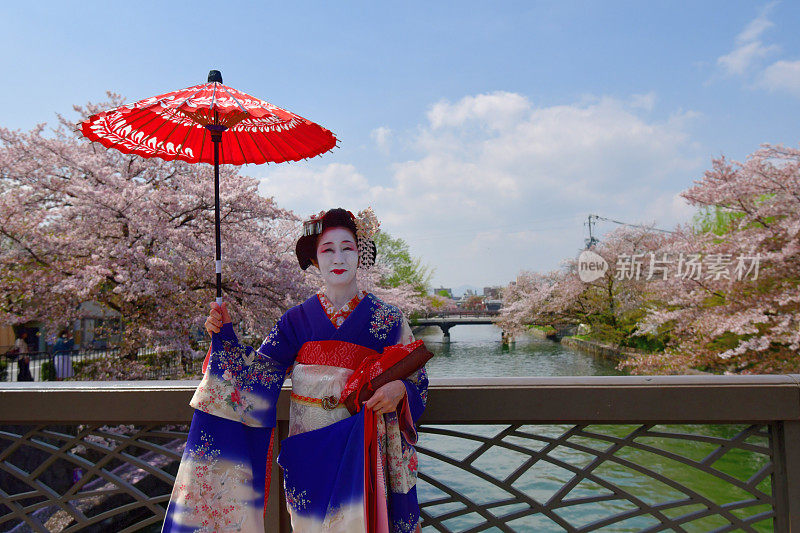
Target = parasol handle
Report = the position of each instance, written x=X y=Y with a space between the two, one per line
x=216 y=130
x=216 y=138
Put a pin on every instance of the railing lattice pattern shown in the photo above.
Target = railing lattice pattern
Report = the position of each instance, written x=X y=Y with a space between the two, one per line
x=87 y=478
x=472 y=478
x=596 y=478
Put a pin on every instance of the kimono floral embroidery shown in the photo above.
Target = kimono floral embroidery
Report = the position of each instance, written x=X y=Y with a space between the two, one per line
x=332 y=517
x=410 y=461
x=420 y=381
x=385 y=318
x=297 y=500
x=404 y=525
x=241 y=369
x=239 y=384
x=271 y=337
x=215 y=397
x=244 y=368
x=210 y=498
x=337 y=318
x=401 y=460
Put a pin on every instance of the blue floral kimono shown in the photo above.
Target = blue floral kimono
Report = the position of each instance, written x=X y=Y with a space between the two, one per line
x=220 y=485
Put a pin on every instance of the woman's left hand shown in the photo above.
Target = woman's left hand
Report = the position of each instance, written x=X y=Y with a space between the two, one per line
x=386 y=398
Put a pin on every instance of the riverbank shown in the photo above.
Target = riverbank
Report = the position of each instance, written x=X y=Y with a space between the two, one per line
x=609 y=352
x=606 y=352
x=543 y=332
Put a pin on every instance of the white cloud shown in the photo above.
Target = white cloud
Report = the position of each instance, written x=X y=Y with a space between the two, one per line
x=644 y=101
x=307 y=190
x=749 y=47
x=382 y=137
x=743 y=56
x=500 y=184
x=782 y=76
x=494 y=110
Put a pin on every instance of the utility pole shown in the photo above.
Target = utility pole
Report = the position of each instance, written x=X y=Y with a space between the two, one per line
x=591 y=241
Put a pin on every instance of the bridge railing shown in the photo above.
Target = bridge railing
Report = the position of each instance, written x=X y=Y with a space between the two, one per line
x=461 y=313
x=682 y=453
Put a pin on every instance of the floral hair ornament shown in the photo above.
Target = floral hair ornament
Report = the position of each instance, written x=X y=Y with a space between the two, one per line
x=367 y=227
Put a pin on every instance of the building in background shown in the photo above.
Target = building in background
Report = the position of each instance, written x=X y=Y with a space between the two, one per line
x=35 y=339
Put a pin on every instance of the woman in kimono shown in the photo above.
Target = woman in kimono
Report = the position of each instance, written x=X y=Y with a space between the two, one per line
x=342 y=472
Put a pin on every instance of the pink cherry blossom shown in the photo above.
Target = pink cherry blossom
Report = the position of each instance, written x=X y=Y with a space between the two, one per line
x=719 y=322
x=80 y=222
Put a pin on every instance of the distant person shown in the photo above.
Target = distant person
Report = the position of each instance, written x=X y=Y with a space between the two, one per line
x=21 y=344
x=24 y=368
x=62 y=355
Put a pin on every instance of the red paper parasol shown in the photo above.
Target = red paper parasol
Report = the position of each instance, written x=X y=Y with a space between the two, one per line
x=209 y=123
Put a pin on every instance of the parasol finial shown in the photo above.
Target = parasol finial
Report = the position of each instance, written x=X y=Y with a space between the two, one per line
x=214 y=76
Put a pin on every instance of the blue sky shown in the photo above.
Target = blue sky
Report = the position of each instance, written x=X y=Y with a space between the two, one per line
x=481 y=133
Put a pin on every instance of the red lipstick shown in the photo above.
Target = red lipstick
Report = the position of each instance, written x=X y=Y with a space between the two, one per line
x=338 y=271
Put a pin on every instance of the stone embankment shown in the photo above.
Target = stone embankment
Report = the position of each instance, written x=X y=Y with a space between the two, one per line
x=610 y=352
x=540 y=333
x=598 y=349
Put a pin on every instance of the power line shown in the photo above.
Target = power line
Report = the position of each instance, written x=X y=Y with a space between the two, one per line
x=593 y=240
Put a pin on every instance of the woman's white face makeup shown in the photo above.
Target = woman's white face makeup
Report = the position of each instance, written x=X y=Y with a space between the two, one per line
x=337 y=256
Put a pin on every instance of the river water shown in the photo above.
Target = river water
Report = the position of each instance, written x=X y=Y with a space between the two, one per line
x=476 y=351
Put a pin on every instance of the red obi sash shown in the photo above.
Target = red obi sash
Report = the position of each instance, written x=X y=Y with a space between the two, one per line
x=396 y=362
x=334 y=353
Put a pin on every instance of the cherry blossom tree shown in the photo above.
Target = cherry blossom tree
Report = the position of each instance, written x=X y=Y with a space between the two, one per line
x=744 y=317
x=542 y=298
x=436 y=303
x=610 y=303
x=406 y=296
x=79 y=222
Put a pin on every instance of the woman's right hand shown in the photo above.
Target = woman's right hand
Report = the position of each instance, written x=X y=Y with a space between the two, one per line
x=217 y=317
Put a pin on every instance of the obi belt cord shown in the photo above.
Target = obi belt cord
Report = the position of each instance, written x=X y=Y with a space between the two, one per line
x=342 y=472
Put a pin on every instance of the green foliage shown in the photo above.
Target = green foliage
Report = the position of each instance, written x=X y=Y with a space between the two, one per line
x=3 y=369
x=443 y=293
x=726 y=341
x=604 y=332
x=715 y=219
x=79 y=366
x=720 y=220
x=47 y=371
x=622 y=332
x=438 y=302
x=403 y=268
x=646 y=343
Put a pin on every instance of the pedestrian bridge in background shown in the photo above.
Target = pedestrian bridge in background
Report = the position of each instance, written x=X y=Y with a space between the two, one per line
x=577 y=454
x=449 y=319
